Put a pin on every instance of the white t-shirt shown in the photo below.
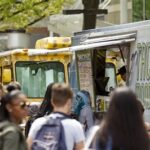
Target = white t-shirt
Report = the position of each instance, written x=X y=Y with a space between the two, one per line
x=73 y=130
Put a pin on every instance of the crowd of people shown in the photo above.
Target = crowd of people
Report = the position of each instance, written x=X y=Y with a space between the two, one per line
x=54 y=127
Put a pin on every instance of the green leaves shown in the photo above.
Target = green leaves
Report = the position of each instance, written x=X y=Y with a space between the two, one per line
x=138 y=10
x=17 y=14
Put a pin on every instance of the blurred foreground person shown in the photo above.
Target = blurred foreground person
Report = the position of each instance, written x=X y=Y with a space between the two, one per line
x=57 y=131
x=12 y=110
x=83 y=109
x=123 y=127
x=45 y=109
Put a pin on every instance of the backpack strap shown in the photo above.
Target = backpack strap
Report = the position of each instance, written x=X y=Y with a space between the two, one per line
x=47 y=118
x=7 y=130
x=63 y=114
x=62 y=117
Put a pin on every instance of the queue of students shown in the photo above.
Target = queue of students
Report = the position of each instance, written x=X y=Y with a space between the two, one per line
x=52 y=127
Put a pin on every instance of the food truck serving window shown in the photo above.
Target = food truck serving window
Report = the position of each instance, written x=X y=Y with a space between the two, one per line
x=35 y=76
x=111 y=73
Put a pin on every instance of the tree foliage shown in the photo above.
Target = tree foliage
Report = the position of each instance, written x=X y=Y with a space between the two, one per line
x=138 y=12
x=18 y=14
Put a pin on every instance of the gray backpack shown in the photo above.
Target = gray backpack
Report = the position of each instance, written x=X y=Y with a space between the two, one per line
x=51 y=136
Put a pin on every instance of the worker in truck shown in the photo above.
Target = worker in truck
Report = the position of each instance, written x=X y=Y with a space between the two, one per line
x=122 y=73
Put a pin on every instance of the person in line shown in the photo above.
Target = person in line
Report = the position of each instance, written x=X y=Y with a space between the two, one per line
x=13 y=86
x=12 y=110
x=62 y=102
x=2 y=91
x=123 y=127
x=83 y=110
x=45 y=109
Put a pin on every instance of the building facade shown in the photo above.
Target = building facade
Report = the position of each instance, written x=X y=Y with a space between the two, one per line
x=66 y=25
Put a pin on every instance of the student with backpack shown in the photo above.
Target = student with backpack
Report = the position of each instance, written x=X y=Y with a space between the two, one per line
x=13 y=109
x=57 y=131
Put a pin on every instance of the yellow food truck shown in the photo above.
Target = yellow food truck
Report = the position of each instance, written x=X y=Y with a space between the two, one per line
x=34 y=73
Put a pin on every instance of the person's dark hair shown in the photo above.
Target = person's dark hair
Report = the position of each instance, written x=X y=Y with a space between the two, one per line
x=46 y=106
x=124 y=123
x=7 y=99
x=60 y=94
x=122 y=71
x=13 y=86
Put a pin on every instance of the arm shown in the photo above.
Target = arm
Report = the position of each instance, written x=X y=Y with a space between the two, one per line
x=147 y=126
x=79 y=146
x=29 y=142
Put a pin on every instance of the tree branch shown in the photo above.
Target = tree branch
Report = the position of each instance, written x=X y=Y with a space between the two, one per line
x=20 y=11
x=36 y=20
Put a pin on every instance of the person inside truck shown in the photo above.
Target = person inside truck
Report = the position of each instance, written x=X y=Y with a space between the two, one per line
x=122 y=73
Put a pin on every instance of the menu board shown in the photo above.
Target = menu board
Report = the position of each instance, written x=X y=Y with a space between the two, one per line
x=85 y=72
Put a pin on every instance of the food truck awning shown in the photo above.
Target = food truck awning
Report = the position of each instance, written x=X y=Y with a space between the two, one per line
x=90 y=44
x=109 y=38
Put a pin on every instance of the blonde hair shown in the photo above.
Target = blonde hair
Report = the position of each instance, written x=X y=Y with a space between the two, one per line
x=61 y=93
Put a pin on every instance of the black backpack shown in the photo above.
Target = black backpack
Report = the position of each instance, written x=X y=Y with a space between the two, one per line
x=51 y=136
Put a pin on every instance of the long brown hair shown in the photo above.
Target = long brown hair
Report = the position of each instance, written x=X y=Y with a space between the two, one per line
x=46 y=106
x=124 y=123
